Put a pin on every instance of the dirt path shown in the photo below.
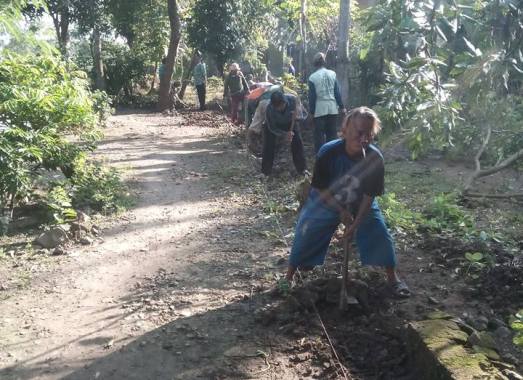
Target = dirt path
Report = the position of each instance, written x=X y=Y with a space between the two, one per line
x=179 y=287
x=168 y=293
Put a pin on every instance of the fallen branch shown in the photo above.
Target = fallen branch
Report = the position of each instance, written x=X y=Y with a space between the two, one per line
x=478 y=173
x=476 y=160
x=504 y=164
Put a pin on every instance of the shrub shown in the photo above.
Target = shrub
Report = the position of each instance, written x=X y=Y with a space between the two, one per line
x=47 y=119
x=98 y=187
x=444 y=213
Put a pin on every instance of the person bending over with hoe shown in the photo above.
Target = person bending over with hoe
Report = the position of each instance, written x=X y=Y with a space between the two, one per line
x=280 y=121
x=348 y=175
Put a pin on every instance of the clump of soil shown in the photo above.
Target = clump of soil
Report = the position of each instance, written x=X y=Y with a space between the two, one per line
x=367 y=329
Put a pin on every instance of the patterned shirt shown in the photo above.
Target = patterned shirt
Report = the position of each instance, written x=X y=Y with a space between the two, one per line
x=348 y=179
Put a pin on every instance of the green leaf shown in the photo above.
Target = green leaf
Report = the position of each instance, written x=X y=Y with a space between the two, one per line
x=474 y=257
x=472 y=48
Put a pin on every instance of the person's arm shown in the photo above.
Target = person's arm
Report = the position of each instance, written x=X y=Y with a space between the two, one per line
x=327 y=198
x=204 y=73
x=245 y=84
x=268 y=117
x=290 y=134
x=373 y=185
x=363 y=210
x=312 y=98
x=337 y=95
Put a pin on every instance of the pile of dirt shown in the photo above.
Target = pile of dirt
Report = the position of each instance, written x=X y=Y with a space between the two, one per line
x=368 y=329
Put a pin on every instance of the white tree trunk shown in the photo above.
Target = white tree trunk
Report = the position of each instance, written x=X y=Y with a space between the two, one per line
x=303 y=35
x=342 y=59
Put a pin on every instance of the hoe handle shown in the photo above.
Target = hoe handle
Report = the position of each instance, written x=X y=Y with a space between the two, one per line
x=344 y=273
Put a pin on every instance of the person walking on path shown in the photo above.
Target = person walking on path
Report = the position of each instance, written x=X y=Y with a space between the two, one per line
x=348 y=175
x=200 y=80
x=324 y=102
x=280 y=121
x=235 y=87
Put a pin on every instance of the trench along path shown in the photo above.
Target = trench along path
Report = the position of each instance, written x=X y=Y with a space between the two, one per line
x=169 y=292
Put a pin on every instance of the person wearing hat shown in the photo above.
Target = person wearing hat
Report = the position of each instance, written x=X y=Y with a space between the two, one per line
x=200 y=80
x=324 y=102
x=235 y=87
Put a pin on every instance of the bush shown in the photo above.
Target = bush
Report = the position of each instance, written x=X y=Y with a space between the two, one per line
x=98 y=187
x=397 y=215
x=44 y=106
x=59 y=205
x=444 y=213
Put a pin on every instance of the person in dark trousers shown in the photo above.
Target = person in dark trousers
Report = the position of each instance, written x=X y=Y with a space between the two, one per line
x=280 y=120
x=324 y=102
x=200 y=80
x=348 y=176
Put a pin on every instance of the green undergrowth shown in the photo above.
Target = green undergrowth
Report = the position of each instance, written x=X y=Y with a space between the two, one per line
x=516 y=324
x=92 y=187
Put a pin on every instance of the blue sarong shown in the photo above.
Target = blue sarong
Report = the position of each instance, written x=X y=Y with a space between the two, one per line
x=318 y=222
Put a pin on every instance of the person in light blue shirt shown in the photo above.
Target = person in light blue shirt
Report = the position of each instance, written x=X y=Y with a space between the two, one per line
x=200 y=80
x=324 y=102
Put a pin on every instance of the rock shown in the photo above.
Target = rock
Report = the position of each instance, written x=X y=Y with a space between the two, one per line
x=433 y=301
x=480 y=323
x=359 y=290
x=86 y=240
x=438 y=314
x=95 y=231
x=42 y=251
x=512 y=375
x=77 y=227
x=502 y=333
x=464 y=326
x=437 y=352
x=25 y=222
x=83 y=217
x=482 y=339
x=495 y=323
x=488 y=352
x=58 y=251
x=52 y=238
x=509 y=358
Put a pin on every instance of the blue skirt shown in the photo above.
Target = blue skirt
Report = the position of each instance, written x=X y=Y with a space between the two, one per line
x=318 y=222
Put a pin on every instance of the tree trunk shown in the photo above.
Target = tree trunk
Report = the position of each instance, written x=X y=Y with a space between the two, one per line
x=303 y=36
x=60 y=13
x=97 y=59
x=164 y=101
x=342 y=59
x=187 y=78
x=153 y=81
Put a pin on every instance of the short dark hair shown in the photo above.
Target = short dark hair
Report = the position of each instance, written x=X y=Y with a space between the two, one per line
x=318 y=60
x=277 y=98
